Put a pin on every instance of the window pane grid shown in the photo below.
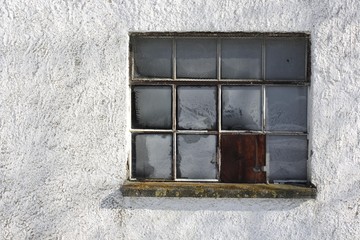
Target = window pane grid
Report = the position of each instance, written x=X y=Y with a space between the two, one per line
x=263 y=37
x=220 y=83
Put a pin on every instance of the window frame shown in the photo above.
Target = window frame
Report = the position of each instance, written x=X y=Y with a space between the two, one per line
x=174 y=82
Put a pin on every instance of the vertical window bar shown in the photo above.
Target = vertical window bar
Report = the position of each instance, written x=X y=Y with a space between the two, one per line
x=130 y=155
x=174 y=106
x=263 y=57
x=306 y=59
x=174 y=129
x=263 y=96
x=263 y=109
x=132 y=58
x=219 y=133
x=218 y=52
x=174 y=58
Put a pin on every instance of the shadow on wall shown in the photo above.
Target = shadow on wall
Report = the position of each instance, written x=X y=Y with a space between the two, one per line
x=115 y=200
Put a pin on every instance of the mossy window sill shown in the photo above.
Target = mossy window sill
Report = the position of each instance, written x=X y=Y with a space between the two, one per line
x=216 y=190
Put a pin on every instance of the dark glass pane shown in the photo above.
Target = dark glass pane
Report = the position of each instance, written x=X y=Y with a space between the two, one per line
x=287 y=157
x=196 y=58
x=196 y=156
x=285 y=59
x=286 y=109
x=241 y=108
x=242 y=158
x=152 y=156
x=241 y=58
x=153 y=57
x=196 y=107
x=152 y=107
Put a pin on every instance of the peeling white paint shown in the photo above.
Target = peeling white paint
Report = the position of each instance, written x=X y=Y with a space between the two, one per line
x=64 y=118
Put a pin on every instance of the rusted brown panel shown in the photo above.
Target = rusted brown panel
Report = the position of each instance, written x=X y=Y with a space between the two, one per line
x=242 y=158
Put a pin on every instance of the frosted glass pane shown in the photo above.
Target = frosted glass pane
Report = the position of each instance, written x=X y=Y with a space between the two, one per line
x=196 y=107
x=241 y=108
x=287 y=157
x=152 y=156
x=285 y=59
x=286 y=108
x=196 y=157
x=152 y=106
x=241 y=58
x=153 y=57
x=196 y=58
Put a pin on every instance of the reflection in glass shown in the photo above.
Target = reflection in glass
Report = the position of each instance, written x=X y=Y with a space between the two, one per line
x=286 y=108
x=196 y=107
x=241 y=58
x=287 y=156
x=285 y=59
x=241 y=108
x=152 y=156
x=196 y=58
x=152 y=107
x=153 y=57
x=196 y=156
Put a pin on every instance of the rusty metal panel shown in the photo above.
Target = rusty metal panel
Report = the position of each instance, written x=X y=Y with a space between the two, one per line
x=242 y=158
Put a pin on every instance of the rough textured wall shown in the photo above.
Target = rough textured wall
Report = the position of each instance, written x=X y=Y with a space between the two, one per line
x=64 y=119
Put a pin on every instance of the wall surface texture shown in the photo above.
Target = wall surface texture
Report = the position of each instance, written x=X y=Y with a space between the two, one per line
x=64 y=121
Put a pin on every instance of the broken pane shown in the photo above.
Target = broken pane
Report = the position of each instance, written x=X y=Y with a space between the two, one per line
x=196 y=107
x=153 y=57
x=285 y=59
x=242 y=158
x=196 y=58
x=286 y=109
x=196 y=156
x=287 y=157
x=152 y=107
x=152 y=156
x=241 y=108
x=241 y=58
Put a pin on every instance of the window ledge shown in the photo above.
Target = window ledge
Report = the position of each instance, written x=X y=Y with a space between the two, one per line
x=216 y=190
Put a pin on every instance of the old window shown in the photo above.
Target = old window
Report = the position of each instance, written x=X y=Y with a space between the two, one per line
x=219 y=107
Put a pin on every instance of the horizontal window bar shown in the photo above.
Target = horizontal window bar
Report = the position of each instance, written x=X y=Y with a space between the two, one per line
x=195 y=180
x=151 y=130
x=219 y=82
x=217 y=132
x=196 y=132
x=218 y=34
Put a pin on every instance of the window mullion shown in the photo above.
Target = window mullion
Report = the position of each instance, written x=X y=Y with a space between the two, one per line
x=174 y=107
x=219 y=107
x=174 y=129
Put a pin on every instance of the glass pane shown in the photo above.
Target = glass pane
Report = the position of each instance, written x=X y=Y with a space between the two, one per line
x=152 y=107
x=241 y=108
x=241 y=58
x=196 y=156
x=285 y=59
x=287 y=156
x=196 y=58
x=196 y=107
x=152 y=156
x=286 y=108
x=153 y=57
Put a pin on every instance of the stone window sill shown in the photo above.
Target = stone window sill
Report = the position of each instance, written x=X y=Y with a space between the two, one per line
x=216 y=190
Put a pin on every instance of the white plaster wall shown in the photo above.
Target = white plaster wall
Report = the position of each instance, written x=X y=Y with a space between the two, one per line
x=64 y=119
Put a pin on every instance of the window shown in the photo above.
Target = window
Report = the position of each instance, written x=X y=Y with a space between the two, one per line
x=219 y=107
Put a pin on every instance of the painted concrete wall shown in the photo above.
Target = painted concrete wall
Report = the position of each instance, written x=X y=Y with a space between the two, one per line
x=64 y=120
